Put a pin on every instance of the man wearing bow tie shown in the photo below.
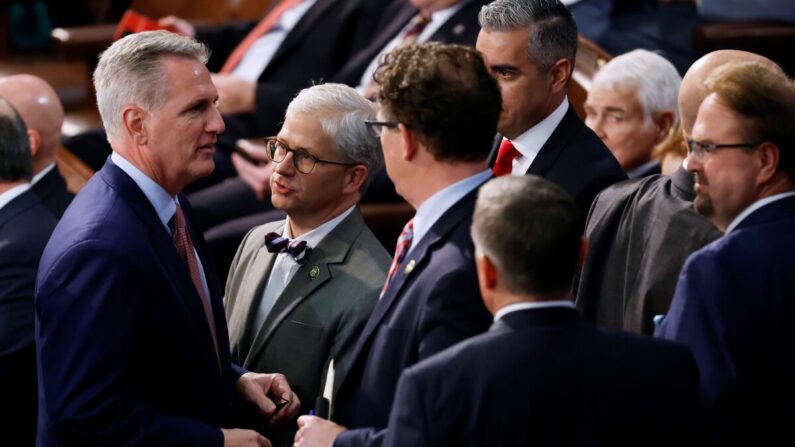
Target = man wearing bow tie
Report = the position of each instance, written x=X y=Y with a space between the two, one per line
x=300 y=290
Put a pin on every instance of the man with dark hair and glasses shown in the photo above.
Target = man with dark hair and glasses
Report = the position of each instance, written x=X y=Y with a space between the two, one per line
x=734 y=300
x=301 y=289
x=438 y=111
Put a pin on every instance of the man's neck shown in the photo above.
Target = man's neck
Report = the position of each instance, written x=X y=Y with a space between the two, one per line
x=302 y=224
x=438 y=176
x=5 y=186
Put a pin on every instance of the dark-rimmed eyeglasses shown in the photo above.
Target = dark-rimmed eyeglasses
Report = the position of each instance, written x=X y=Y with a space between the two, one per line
x=303 y=161
x=376 y=128
x=700 y=150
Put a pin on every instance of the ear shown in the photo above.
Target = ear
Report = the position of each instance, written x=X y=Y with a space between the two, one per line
x=410 y=142
x=34 y=139
x=768 y=156
x=134 y=124
x=354 y=179
x=487 y=280
x=560 y=74
x=664 y=120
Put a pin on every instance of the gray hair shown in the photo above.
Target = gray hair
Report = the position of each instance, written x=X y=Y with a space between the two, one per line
x=15 y=159
x=531 y=231
x=654 y=77
x=130 y=72
x=342 y=112
x=553 y=32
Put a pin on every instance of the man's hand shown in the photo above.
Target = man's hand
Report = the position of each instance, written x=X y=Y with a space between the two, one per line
x=257 y=177
x=235 y=95
x=262 y=388
x=234 y=437
x=316 y=432
x=181 y=26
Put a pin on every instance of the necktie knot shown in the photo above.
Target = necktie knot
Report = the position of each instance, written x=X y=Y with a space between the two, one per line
x=299 y=250
x=505 y=156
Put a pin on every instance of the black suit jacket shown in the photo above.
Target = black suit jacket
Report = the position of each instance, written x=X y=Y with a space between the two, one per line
x=545 y=377
x=461 y=28
x=432 y=303
x=25 y=227
x=52 y=192
x=640 y=232
x=575 y=159
x=319 y=44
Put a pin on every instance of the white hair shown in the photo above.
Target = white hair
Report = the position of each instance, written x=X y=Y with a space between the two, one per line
x=342 y=112
x=130 y=72
x=651 y=75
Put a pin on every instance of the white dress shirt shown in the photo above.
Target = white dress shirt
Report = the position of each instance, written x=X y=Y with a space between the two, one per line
x=529 y=143
x=435 y=206
x=261 y=52
x=285 y=267
x=505 y=310
x=438 y=19
x=13 y=193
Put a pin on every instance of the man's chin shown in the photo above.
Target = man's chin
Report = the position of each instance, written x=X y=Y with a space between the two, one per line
x=703 y=206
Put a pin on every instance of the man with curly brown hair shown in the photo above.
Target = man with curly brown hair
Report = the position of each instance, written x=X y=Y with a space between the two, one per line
x=438 y=111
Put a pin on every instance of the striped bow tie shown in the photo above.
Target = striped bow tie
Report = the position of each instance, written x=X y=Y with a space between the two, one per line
x=276 y=243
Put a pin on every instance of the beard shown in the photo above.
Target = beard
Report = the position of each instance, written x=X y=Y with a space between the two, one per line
x=703 y=205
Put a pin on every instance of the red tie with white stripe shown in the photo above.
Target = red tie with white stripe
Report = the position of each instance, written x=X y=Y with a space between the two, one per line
x=403 y=244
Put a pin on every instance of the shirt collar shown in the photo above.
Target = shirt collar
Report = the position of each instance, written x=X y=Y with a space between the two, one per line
x=755 y=206
x=316 y=235
x=432 y=209
x=529 y=143
x=42 y=173
x=505 y=310
x=13 y=193
x=164 y=204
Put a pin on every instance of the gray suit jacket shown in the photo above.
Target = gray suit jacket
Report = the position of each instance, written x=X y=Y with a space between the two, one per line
x=320 y=313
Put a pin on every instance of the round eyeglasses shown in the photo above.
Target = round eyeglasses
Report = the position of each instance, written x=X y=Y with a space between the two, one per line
x=303 y=161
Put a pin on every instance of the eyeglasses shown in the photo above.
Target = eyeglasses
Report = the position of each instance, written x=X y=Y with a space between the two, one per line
x=701 y=151
x=303 y=161
x=376 y=128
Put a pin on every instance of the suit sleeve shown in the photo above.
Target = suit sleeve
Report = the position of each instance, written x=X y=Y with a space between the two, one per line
x=407 y=420
x=698 y=318
x=222 y=40
x=453 y=312
x=87 y=312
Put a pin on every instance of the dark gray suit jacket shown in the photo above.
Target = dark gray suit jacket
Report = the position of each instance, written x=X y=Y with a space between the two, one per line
x=320 y=313
x=640 y=233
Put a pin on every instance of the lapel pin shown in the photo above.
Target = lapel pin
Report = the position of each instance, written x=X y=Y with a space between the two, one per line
x=314 y=272
x=409 y=267
x=459 y=29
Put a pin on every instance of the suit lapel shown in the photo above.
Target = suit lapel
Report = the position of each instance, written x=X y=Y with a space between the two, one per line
x=333 y=249
x=241 y=333
x=419 y=257
x=304 y=25
x=166 y=251
x=553 y=147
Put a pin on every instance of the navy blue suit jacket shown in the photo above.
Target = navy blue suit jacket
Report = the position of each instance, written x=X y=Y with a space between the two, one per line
x=51 y=189
x=126 y=355
x=575 y=159
x=546 y=377
x=734 y=306
x=25 y=227
x=432 y=307
x=461 y=28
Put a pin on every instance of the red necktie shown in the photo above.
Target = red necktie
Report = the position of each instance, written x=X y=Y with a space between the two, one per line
x=262 y=28
x=185 y=249
x=505 y=156
x=403 y=244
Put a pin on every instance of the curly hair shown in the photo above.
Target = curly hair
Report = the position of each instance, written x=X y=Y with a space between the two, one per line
x=445 y=94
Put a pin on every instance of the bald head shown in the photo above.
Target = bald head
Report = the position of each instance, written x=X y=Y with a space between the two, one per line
x=693 y=91
x=40 y=108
